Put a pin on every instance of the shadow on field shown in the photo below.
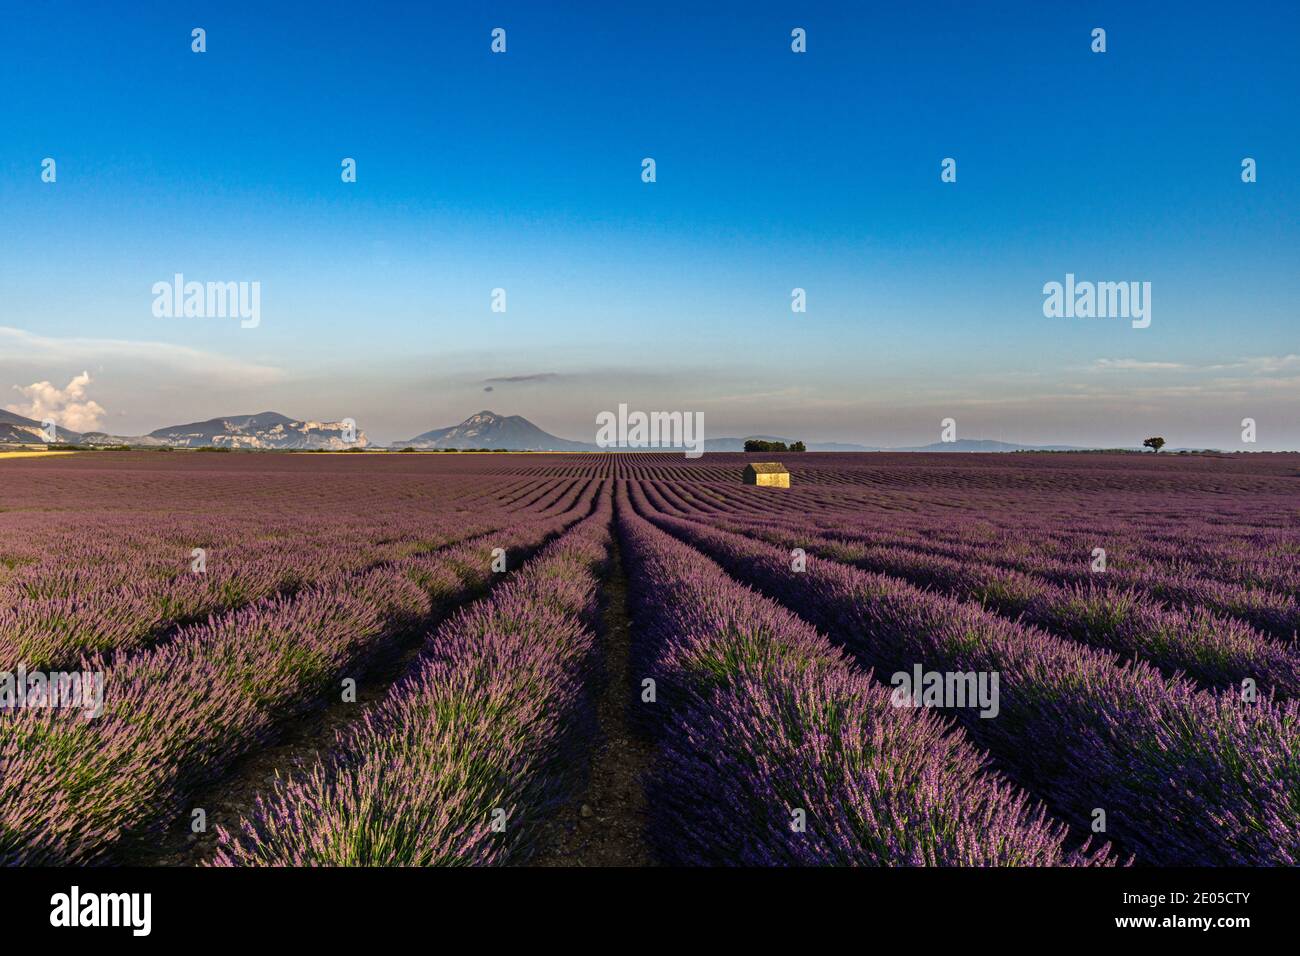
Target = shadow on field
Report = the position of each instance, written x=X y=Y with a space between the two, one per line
x=605 y=826
x=295 y=746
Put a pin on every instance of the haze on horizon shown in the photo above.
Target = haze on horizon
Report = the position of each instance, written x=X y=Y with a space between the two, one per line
x=775 y=171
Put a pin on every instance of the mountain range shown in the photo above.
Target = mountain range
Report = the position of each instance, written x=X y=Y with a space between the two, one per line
x=265 y=431
x=16 y=428
x=485 y=429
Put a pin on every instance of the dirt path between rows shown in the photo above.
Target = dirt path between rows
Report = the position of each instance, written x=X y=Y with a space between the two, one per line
x=606 y=825
x=298 y=743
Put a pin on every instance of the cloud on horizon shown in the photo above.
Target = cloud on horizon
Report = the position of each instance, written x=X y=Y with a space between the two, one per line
x=1135 y=365
x=67 y=407
x=1252 y=364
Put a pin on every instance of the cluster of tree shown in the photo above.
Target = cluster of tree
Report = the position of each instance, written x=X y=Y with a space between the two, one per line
x=64 y=446
x=755 y=444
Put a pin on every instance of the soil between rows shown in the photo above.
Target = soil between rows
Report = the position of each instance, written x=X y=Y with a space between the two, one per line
x=297 y=745
x=606 y=825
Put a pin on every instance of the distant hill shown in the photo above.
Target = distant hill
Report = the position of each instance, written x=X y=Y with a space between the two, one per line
x=487 y=429
x=15 y=429
x=983 y=445
x=265 y=430
x=965 y=445
x=837 y=446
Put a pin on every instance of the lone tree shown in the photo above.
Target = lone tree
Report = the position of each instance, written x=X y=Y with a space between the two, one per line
x=1155 y=444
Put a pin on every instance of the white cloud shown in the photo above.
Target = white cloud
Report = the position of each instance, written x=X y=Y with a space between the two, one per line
x=69 y=407
x=1135 y=364
x=1263 y=363
x=1259 y=364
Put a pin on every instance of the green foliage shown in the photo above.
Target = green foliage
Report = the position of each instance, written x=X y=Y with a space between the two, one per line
x=756 y=444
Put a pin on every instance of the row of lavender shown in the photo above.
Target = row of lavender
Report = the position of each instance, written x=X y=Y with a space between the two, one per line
x=176 y=716
x=96 y=600
x=1141 y=549
x=1218 y=652
x=119 y=588
x=1275 y=611
x=776 y=750
x=1181 y=775
x=464 y=758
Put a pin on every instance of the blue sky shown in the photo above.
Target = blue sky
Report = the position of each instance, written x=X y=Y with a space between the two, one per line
x=775 y=170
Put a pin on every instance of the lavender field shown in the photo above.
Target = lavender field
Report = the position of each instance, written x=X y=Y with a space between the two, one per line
x=558 y=659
